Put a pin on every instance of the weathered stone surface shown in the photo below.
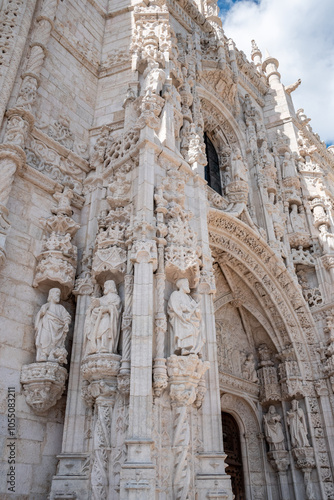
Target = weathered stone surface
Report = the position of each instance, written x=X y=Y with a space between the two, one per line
x=179 y=211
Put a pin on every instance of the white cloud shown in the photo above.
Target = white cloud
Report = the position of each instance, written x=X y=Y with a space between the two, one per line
x=300 y=34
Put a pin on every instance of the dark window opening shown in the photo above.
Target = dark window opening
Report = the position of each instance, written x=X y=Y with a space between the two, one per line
x=232 y=448
x=212 y=171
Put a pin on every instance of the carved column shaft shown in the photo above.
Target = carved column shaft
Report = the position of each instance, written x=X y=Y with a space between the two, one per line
x=38 y=52
x=140 y=421
x=102 y=430
x=127 y=318
x=180 y=447
x=73 y=437
x=213 y=437
x=144 y=257
x=7 y=171
x=159 y=369
x=16 y=49
x=12 y=158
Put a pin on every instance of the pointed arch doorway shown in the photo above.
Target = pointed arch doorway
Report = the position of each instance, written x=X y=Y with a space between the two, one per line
x=232 y=448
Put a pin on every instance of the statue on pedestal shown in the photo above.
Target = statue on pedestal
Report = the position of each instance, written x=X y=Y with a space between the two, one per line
x=297 y=424
x=248 y=369
x=185 y=316
x=238 y=168
x=51 y=327
x=273 y=429
x=326 y=239
x=102 y=326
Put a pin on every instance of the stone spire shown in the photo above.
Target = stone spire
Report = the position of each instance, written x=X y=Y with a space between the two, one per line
x=270 y=67
x=256 y=56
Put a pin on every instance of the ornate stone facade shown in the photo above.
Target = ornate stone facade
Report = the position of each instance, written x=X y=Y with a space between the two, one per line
x=167 y=234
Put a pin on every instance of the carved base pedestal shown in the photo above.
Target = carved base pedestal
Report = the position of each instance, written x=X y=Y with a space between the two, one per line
x=138 y=482
x=101 y=371
x=43 y=384
x=304 y=458
x=211 y=480
x=279 y=461
x=237 y=192
x=72 y=479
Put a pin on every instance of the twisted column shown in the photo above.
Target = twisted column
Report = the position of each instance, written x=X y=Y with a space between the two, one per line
x=159 y=366
x=180 y=445
x=184 y=373
x=100 y=472
x=40 y=38
x=124 y=374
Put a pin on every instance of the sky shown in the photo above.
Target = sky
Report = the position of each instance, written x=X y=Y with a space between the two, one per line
x=300 y=34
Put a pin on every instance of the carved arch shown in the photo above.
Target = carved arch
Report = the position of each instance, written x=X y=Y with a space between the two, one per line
x=255 y=262
x=250 y=430
x=219 y=121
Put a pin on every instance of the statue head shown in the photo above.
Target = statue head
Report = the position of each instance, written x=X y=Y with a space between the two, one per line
x=294 y=404
x=183 y=285
x=272 y=409
x=109 y=286
x=54 y=295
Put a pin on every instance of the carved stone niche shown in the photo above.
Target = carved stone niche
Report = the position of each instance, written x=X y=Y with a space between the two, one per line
x=100 y=371
x=43 y=384
x=270 y=390
x=289 y=375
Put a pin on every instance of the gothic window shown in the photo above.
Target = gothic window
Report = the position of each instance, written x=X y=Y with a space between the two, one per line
x=212 y=172
x=232 y=448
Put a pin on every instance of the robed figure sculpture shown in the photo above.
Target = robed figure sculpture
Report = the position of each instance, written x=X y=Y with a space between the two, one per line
x=185 y=317
x=102 y=325
x=51 y=326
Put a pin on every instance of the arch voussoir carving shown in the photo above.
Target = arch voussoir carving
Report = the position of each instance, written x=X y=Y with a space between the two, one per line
x=253 y=260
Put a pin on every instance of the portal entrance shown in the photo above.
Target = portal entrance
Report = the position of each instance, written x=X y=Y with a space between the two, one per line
x=232 y=448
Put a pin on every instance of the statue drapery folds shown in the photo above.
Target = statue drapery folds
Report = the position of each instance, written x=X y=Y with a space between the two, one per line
x=102 y=326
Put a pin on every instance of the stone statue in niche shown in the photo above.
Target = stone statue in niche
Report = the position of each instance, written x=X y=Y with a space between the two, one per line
x=154 y=78
x=238 y=168
x=326 y=239
x=185 y=317
x=288 y=167
x=248 y=369
x=297 y=424
x=297 y=220
x=273 y=429
x=51 y=325
x=102 y=325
